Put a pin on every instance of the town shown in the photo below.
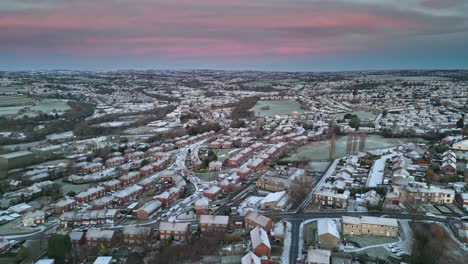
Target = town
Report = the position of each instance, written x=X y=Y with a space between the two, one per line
x=228 y=167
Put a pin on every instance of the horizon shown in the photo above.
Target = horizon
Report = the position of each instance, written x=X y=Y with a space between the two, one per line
x=258 y=35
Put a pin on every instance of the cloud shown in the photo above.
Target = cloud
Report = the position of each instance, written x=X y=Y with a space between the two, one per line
x=222 y=29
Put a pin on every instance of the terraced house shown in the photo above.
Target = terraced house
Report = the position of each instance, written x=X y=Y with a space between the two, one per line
x=371 y=226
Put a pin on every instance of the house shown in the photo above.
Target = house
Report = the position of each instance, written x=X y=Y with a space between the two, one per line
x=433 y=194
x=250 y=258
x=166 y=175
x=367 y=225
x=279 y=179
x=34 y=218
x=92 y=167
x=318 y=256
x=132 y=156
x=215 y=165
x=212 y=193
x=371 y=197
x=94 y=217
x=330 y=199
x=253 y=219
x=137 y=235
x=64 y=205
x=272 y=200
x=5 y=245
x=102 y=202
x=115 y=161
x=328 y=234
x=202 y=205
x=126 y=194
x=261 y=244
x=90 y=194
x=112 y=185
x=77 y=238
x=213 y=223
x=178 y=231
x=243 y=172
x=148 y=209
x=129 y=177
x=96 y=237
x=168 y=196
x=146 y=170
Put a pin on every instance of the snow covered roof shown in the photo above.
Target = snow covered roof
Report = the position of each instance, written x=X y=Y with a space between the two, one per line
x=250 y=258
x=259 y=236
x=327 y=226
x=214 y=219
x=318 y=256
x=273 y=197
x=176 y=227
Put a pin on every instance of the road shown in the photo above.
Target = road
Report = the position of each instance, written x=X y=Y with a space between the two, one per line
x=318 y=186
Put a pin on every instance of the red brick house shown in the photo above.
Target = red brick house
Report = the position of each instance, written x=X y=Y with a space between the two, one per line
x=90 y=194
x=254 y=219
x=202 y=205
x=213 y=223
x=212 y=193
x=96 y=237
x=112 y=185
x=64 y=205
x=261 y=244
x=137 y=235
x=178 y=231
x=77 y=238
x=115 y=161
x=126 y=194
x=243 y=172
x=130 y=177
x=148 y=209
x=146 y=170
x=215 y=165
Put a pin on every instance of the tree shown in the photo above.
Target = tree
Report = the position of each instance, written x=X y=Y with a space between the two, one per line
x=430 y=175
x=145 y=162
x=58 y=246
x=298 y=191
x=103 y=250
x=460 y=123
x=355 y=122
x=71 y=193
x=23 y=253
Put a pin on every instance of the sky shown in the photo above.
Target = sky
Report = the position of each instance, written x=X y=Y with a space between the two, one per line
x=279 y=35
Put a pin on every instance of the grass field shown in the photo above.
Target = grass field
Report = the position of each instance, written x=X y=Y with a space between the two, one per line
x=11 y=105
x=361 y=114
x=318 y=150
x=282 y=107
x=15 y=100
x=15 y=227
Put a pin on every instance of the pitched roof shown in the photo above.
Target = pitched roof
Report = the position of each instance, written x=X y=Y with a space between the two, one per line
x=214 y=219
x=250 y=258
x=327 y=226
x=259 y=236
x=177 y=227
x=319 y=256
x=257 y=218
